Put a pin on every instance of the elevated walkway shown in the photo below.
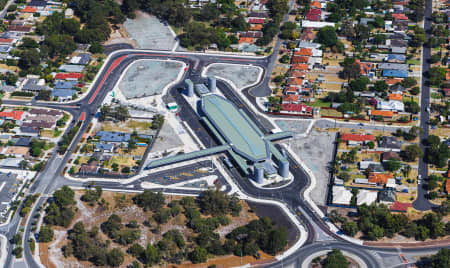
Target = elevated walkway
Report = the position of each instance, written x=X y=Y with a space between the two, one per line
x=187 y=156
x=279 y=136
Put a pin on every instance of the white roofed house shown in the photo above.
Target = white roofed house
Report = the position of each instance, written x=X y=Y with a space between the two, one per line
x=392 y=105
x=341 y=196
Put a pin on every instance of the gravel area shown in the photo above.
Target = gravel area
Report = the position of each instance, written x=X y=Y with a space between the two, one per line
x=297 y=126
x=241 y=76
x=166 y=140
x=316 y=150
x=135 y=83
x=149 y=32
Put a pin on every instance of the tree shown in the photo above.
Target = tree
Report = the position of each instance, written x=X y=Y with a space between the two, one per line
x=45 y=234
x=436 y=76
x=17 y=239
x=392 y=165
x=415 y=90
x=411 y=153
x=350 y=228
x=327 y=36
x=149 y=200
x=115 y=257
x=17 y=251
x=198 y=255
x=96 y=48
x=409 y=82
x=440 y=259
x=381 y=86
x=359 y=84
x=29 y=58
x=151 y=255
x=422 y=233
x=412 y=107
x=335 y=259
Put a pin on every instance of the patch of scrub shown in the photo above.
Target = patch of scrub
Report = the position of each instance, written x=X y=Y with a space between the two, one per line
x=240 y=75
x=149 y=32
x=149 y=77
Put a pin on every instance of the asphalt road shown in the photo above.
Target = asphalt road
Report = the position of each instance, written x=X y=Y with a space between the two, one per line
x=422 y=203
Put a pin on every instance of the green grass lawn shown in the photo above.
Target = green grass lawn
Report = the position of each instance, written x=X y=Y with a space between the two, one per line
x=319 y=103
x=413 y=62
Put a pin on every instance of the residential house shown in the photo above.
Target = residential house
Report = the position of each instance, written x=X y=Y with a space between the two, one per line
x=395 y=97
x=393 y=81
x=379 y=178
x=289 y=99
x=23 y=141
x=400 y=207
x=314 y=14
x=81 y=59
x=104 y=147
x=316 y=24
x=395 y=58
x=68 y=76
x=392 y=105
x=447 y=92
x=114 y=137
x=11 y=115
x=65 y=84
x=69 y=68
x=397 y=89
x=366 y=197
x=90 y=168
x=341 y=196
x=366 y=68
x=256 y=20
x=16 y=151
x=356 y=139
x=34 y=85
x=393 y=66
x=19 y=29
x=7 y=41
x=386 y=156
x=295 y=108
x=389 y=143
x=387 y=195
x=45 y=112
x=63 y=94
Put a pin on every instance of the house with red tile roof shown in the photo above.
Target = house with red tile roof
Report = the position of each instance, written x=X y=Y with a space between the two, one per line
x=304 y=52
x=314 y=14
x=346 y=137
x=6 y=41
x=447 y=92
x=379 y=178
x=291 y=91
x=295 y=82
x=29 y=9
x=316 y=4
x=12 y=115
x=399 y=16
x=400 y=207
x=297 y=74
x=68 y=76
x=296 y=108
x=398 y=97
x=289 y=99
x=299 y=59
x=386 y=114
x=248 y=40
x=256 y=20
x=366 y=67
x=447 y=185
x=300 y=66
